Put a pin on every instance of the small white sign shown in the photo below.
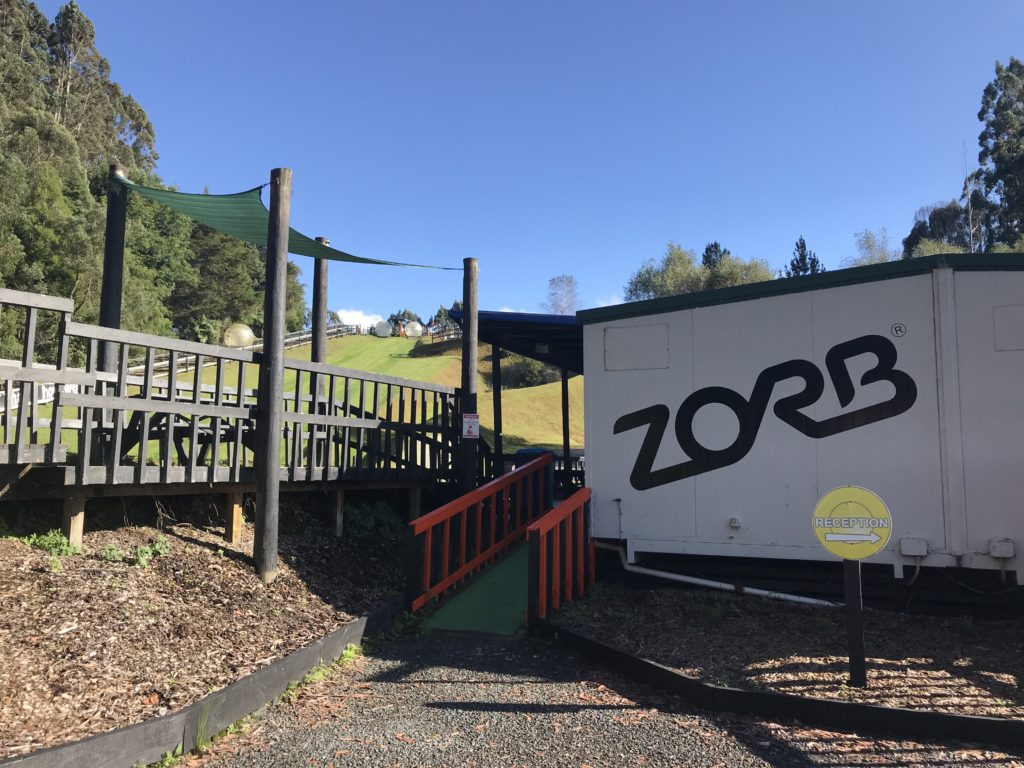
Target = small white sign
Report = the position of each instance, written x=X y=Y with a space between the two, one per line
x=471 y=425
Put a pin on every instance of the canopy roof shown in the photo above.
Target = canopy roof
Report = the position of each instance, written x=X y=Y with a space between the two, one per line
x=244 y=216
x=553 y=339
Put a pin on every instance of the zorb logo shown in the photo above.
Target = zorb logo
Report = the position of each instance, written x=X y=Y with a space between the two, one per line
x=852 y=522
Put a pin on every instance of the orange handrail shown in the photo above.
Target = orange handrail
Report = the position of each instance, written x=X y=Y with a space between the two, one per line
x=474 y=529
x=561 y=538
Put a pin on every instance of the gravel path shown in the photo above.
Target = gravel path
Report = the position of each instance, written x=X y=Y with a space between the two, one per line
x=468 y=701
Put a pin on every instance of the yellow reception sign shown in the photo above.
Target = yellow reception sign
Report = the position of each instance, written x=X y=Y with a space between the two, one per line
x=852 y=522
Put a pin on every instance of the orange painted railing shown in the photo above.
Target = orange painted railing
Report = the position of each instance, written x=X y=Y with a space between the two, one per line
x=459 y=538
x=561 y=556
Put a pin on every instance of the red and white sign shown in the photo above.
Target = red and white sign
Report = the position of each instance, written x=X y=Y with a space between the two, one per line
x=471 y=425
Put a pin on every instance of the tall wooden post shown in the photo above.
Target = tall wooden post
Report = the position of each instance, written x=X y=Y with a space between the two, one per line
x=566 y=459
x=470 y=332
x=320 y=307
x=855 y=623
x=113 y=262
x=496 y=396
x=271 y=390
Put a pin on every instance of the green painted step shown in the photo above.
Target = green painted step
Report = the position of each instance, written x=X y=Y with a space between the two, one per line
x=494 y=602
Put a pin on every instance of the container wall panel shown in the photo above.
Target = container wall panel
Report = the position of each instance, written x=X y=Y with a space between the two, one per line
x=990 y=347
x=760 y=473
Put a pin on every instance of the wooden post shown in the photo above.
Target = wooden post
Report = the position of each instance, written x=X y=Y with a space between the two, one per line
x=413 y=568
x=855 y=623
x=318 y=353
x=534 y=585
x=233 y=519
x=271 y=389
x=566 y=458
x=73 y=518
x=113 y=262
x=415 y=502
x=468 y=447
x=496 y=396
x=320 y=307
x=338 y=510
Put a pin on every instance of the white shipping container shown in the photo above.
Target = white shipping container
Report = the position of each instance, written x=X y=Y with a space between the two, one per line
x=715 y=421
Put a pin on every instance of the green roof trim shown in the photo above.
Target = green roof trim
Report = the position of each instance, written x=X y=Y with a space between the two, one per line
x=244 y=216
x=961 y=262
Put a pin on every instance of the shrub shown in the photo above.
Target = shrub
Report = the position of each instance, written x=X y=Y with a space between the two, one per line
x=518 y=372
x=53 y=542
x=112 y=554
x=145 y=553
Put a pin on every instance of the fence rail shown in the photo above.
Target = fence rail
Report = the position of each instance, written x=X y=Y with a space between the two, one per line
x=22 y=436
x=140 y=425
x=294 y=339
x=458 y=539
x=561 y=556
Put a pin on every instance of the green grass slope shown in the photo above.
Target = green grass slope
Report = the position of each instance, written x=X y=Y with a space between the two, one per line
x=530 y=417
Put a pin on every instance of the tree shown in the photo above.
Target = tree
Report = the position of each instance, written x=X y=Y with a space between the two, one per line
x=872 y=248
x=296 y=311
x=225 y=288
x=804 y=261
x=1001 y=158
x=678 y=272
x=732 y=270
x=404 y=315
x=108 y=125
x=442 y=320
x=713 y=254
x=563 y=298
x=929 y=247
x=960 y=227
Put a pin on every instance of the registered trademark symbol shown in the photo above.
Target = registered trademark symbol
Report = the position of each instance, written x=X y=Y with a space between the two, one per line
x=898 y=330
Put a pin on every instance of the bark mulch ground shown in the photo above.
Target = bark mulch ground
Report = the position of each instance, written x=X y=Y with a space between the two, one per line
x=100 y=644
x=944 y=664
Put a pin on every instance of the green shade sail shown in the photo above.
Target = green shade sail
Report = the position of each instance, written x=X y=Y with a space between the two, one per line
x=244 y=216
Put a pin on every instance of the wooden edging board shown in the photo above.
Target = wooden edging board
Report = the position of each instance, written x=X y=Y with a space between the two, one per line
x=148 y=741
x=1002 y=733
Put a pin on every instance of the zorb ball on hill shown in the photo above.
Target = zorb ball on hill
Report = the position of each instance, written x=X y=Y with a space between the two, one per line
x=382 y=329
x=238 y=335
x=413 y=330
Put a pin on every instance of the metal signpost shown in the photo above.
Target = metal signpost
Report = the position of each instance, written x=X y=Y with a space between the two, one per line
x=853 y=523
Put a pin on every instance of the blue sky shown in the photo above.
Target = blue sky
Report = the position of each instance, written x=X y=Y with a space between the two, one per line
x=571 y=137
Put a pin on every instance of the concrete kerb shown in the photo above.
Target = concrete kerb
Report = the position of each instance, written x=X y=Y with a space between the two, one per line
x=149 y=741
x=1001 y=733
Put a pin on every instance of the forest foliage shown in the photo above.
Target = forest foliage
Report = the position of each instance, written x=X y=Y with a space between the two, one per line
x=63 y=122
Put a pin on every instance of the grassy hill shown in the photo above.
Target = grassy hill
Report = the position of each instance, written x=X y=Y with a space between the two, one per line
x=531 y=416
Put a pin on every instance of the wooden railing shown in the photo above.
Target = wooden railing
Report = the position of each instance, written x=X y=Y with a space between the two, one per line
x=197 y=424
x=160 y=427
x=340 y=420
x=458 y=539
x=23 y=424
x=561 y=556
x=570 y=476
x=295 y=339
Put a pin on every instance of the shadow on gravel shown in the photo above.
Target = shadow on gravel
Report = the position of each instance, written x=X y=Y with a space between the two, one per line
x=766 y=745
x=523 y=708
x=808 y=747
x=444 y=661
x=525 y=661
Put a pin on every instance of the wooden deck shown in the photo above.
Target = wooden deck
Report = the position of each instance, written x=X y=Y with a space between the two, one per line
x=86 y=411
